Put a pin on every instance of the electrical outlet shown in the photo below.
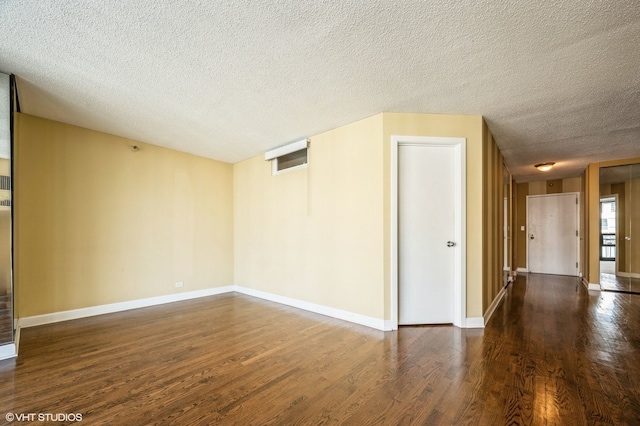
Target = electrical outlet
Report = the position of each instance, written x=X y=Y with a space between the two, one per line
x=180 y=284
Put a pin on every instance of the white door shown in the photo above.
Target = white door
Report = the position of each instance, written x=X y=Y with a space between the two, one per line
x=552 y=230
x=426 y=229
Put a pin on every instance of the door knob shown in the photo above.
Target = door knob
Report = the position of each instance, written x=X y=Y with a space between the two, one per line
x=531 y=236
x=450 y=244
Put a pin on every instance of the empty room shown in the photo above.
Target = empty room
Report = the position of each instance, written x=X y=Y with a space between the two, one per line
x=282 y=212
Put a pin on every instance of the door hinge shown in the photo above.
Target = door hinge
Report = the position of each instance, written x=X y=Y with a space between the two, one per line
x=576 y=233
x=576 y=265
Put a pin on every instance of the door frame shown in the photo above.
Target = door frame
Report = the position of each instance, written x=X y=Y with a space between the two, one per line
x=578 y=228
x=460 y=281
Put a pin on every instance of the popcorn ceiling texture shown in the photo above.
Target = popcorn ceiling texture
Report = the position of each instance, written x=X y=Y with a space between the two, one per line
x=557 y=80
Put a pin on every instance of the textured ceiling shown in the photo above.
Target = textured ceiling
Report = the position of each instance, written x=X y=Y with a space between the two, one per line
x=556 y=80
x=620 y=174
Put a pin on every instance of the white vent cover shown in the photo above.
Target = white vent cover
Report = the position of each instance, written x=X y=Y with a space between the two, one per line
x=287 y=149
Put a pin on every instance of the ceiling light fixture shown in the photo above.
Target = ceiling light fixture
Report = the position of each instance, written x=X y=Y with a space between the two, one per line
x=544 y=167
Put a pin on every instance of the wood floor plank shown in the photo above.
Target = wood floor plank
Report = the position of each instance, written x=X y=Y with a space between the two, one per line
x=552 y=354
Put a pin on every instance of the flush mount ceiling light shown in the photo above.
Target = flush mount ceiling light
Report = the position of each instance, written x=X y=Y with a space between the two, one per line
x=544 y=167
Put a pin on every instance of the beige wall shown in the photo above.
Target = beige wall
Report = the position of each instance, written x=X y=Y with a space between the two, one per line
x=555 y=186
x=5 y=166
x=537 y=188
x=316 y=234
x=99 y=223
x=322 y=234
x=592 y=218
x=493 y=219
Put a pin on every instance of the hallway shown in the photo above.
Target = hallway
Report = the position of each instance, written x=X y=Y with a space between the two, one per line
x=552 y=354
x=573 y=354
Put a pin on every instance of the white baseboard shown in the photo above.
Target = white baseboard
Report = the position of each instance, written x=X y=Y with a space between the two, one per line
x=33 y=321
x=376 y=323
x=496 y=302
x=627 y=274
x=8 y=351
x=523 y=270
x=474 y=322
x=16 y=339
x=590 y=286
x=118 y=307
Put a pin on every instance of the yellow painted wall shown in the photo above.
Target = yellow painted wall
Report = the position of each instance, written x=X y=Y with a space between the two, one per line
x=322 y=234
x=538 y=187
x=509 y=194
x=316 y=234
x=592 y=216
x=572 y=184
x=99 y=223
x=493 y=219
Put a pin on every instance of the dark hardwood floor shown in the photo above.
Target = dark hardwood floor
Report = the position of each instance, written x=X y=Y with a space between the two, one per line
x=6 y=319
x=612 y=282
x=552 y=354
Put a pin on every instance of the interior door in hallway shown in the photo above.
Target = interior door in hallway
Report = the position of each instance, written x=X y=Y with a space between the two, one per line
x=426 y=230
x=553 y=229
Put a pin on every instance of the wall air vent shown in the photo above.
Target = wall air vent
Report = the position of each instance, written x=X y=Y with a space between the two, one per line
x=289 y=157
